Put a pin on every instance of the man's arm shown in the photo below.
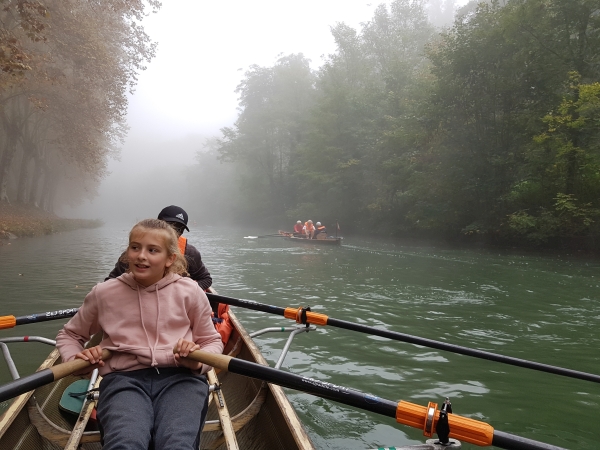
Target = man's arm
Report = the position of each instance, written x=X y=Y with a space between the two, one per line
x=199 y=273
x=120 y=269
x=196 y=268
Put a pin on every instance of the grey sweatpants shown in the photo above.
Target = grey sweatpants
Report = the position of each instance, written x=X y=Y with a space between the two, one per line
x=145 y=409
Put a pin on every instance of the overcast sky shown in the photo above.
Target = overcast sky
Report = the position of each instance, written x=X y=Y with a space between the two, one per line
x=204 y=48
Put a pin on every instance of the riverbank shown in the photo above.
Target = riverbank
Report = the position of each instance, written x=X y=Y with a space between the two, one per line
x=18 y=221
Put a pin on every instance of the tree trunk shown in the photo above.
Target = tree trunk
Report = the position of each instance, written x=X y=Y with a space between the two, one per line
x=12 y=123
x=23 y=181
x=572 y=159
x=38 y=173
x=49 y=190
x=5 y=163
x=29 y=148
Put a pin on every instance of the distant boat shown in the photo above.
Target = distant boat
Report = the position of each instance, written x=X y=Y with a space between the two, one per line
x=317 y=241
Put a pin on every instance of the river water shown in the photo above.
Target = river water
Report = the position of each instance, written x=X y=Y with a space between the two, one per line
x=539 y=308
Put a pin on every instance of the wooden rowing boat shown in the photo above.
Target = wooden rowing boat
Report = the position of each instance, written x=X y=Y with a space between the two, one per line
x=301 y=240
x=259 y=413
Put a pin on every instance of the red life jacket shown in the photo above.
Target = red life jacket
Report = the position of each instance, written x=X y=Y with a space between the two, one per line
x=182 y=243
x=223 y=323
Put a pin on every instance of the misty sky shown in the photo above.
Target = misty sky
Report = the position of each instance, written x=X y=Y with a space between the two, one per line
x=187 y=91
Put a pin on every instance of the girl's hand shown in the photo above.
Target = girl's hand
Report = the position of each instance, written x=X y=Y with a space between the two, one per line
x=94 y=356
x=184 y=348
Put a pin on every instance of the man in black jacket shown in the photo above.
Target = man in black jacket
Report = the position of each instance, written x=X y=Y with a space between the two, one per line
x=177 y=218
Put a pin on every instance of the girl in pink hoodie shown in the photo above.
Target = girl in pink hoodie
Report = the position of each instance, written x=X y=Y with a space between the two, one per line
x=148 y=395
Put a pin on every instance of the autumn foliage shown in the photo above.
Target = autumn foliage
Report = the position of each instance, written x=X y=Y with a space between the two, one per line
x=65 y=69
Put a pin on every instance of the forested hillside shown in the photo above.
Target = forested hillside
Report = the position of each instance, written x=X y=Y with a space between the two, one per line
x=486 y=128
x=65 y=69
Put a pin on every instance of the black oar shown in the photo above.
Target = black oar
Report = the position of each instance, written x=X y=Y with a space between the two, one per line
x=302 y=316
x=411 y=414
x=12 y=321
x=43 y=377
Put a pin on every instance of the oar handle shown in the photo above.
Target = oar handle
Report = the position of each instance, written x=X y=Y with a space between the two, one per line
x=210 y=359
x=75 y=365
x=43 y=377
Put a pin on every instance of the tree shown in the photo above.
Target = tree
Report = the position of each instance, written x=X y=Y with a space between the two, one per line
x=560 y=190
x=67 y=104
x=499 y=70
x=354 y=163
x=274 y=102
x=21 y=22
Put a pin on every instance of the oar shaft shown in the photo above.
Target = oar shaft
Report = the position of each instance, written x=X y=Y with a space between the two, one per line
x=463 y=428
x=12 y=321
x=25 y=384
x=50 y=315
x=248 y=304
x=322 y=319
x=463 y=350
x=506 y=440
x=43 y=377
x=316 y=387
x=265 y=235
x=293 y=381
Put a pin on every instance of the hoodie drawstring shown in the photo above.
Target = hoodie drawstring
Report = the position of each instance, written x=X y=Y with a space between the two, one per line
x=152 y=348
x=154 y=362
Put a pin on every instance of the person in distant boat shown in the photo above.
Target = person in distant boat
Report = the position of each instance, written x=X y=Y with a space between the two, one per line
x=298 y=229
x=178 y=219
x=151 y=318
x=309 y=229
x=320 y=231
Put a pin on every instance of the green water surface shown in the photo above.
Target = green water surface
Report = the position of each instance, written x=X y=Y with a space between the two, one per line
x=539 y=308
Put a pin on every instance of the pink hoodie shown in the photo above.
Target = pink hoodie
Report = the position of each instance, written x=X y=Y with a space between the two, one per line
x=141 y=325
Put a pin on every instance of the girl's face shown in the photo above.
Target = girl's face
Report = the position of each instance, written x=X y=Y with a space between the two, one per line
x=147 y=255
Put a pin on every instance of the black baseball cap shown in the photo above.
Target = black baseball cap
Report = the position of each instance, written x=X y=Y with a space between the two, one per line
x=174 y=214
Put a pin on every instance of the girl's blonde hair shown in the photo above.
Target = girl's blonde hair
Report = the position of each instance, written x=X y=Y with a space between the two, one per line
x=180 y=265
